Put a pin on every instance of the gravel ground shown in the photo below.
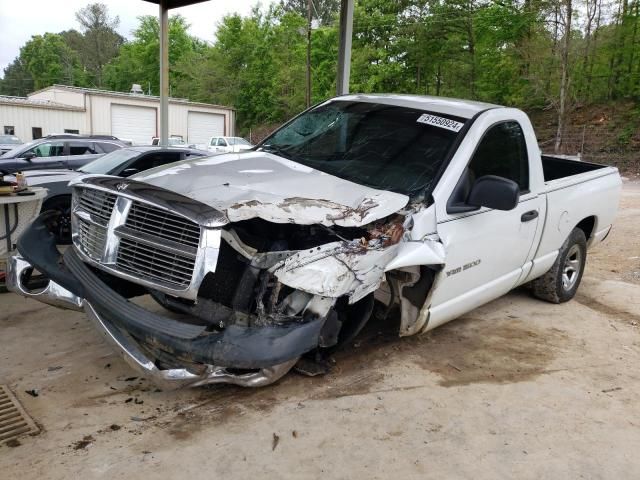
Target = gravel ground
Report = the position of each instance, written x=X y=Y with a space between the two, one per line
x=518 y=388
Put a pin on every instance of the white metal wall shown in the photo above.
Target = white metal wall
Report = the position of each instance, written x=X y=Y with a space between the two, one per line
x=99 y=114
x=96 y=119
x=60 y=95
x=23 y=118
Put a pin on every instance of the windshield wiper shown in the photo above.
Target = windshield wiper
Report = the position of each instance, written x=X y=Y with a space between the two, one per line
x=278 y=150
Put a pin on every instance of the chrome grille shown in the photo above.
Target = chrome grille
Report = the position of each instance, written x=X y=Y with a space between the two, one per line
x=91 y=238
x=154 y=263
x=137 y=240
x=163 y=224
x=97 y=203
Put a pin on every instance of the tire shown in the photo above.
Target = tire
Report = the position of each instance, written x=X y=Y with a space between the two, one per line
x=61 y=227
x=561 y=282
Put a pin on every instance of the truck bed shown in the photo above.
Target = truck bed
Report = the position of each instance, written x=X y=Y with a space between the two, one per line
x=555 y=168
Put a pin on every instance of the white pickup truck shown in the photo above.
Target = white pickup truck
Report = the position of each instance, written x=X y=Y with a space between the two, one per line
x=265 y=257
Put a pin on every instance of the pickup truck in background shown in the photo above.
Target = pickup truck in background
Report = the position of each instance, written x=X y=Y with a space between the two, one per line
x=228 y=144
x=259 y=259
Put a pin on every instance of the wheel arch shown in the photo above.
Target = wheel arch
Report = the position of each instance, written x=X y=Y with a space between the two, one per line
x=58 y=196
x=587 y=225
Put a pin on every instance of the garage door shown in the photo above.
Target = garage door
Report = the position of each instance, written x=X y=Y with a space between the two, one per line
x=137 y=124
x=201 y=126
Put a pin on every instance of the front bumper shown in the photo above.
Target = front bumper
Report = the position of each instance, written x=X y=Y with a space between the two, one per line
x=208 y=357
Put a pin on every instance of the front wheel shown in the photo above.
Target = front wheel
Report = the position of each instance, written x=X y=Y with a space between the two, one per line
x=561 y=282
x=61 y=227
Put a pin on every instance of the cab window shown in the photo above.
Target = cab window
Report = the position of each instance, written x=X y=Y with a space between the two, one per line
x=222 y=142
x=502 y=152
x=214 y=141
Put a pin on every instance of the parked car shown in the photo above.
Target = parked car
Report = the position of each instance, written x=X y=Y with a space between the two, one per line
x=122 y=163
x=58 y=151
x=8 y=142
x=431 y=204
x=228 y=144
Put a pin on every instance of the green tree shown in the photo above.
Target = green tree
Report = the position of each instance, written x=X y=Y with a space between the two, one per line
x=99 y=42
x=138 y=61
x=322 y=10
x=49 y=60
x=17 y=80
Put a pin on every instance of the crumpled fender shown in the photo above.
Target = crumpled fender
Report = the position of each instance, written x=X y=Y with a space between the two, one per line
x=343 y=268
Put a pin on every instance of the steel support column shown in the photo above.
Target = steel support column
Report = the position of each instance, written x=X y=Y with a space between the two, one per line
x=164 y=73
x=344 y=52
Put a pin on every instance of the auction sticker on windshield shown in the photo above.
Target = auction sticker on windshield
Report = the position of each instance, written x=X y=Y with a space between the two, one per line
x=441 y=122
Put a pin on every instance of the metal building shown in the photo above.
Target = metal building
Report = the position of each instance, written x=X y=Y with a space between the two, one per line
x=64 y=109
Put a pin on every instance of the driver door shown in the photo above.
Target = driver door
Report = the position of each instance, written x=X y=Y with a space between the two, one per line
x=486 y=249
x=48 y=155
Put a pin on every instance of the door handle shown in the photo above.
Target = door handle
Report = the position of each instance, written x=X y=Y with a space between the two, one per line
x=528 y=216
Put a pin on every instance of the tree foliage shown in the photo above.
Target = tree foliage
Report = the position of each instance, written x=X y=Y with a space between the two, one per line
x=138 y=61
x=49 y=60
x=99 y=42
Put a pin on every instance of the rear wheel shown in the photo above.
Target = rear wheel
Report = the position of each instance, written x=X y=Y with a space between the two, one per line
x=561 y=282
x=61 y=226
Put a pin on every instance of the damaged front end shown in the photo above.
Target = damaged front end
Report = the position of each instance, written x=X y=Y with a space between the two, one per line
x=245 y=299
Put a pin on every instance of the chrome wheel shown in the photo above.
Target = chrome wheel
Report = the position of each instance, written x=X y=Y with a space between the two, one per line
x=572 y=267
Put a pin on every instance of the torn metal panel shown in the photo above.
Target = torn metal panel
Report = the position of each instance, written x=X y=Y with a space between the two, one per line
x=336 y=269
x=427 y=252
x=263 y=185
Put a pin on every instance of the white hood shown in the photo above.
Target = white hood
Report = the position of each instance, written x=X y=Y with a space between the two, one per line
x=260 y=184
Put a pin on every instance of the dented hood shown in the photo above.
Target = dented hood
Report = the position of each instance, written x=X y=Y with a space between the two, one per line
x=260 y=184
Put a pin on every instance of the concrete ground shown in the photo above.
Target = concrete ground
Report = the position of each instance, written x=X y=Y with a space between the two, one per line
x=518 y=388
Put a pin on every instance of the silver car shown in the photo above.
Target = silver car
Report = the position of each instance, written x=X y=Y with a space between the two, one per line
x=9 y=142
x=58 y=151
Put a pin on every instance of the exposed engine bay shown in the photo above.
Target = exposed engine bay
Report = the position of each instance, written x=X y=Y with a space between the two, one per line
x=276 y=273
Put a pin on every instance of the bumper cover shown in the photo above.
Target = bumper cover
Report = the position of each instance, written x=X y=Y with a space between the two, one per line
x=273 y=349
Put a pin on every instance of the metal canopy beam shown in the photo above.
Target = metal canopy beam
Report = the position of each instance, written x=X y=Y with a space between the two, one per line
x=175 y=3
x=344 y=49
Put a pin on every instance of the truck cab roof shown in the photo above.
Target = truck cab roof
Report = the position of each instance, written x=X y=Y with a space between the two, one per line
x=450 y=106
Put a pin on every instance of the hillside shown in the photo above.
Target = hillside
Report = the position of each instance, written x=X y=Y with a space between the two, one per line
x=603 y=133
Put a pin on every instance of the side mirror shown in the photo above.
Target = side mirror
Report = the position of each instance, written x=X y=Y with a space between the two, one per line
x=127 y=172
x=494 y=192
x=28 y=155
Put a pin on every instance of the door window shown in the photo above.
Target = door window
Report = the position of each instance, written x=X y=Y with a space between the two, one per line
x=222 y=142
x=81 y=148
x=49 y=149
x=502 y=152
x=214 y=142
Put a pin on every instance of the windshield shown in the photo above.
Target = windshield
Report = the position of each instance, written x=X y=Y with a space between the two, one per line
x=107 y=163
x=381 y=146
x=10 y=140
x=237 y=141
x=16 y=151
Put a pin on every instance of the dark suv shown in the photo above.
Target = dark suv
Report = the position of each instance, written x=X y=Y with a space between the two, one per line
x=58 y=151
